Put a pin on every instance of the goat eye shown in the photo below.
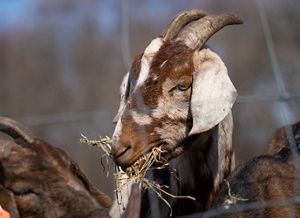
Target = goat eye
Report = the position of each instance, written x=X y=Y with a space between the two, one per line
x=183 y=87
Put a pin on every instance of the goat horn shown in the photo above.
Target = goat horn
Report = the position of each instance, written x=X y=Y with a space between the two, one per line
x=195 y=34
x=179 y=21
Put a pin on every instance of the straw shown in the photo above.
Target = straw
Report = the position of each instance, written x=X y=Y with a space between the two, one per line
x=137 y=171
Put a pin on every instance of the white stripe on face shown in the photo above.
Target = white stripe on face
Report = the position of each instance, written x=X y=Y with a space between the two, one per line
x=123 y=89
x=117 y=131
x=141 y=119
x=123 y=86
x=167 y=107
x=146 y=60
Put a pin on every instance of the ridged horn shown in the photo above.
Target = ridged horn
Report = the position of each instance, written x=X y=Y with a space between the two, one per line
x=16 y=129
x=179 y=21
x=196 y=33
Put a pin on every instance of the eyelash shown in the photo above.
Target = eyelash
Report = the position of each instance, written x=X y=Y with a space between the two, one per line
x=180 y=88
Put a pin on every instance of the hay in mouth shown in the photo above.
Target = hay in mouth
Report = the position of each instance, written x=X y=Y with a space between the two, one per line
x=137 y=171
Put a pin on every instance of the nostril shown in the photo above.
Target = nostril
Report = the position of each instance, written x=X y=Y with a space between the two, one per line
x=122 y=150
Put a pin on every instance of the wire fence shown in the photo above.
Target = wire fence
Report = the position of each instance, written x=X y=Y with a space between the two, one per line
x=281 y=99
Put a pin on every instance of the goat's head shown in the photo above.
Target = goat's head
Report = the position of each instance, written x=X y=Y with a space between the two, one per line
x=174 y=89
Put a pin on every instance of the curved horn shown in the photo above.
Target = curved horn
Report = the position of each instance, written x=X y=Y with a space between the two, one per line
x=195 y=34
x=16 y=128
x=179 y=21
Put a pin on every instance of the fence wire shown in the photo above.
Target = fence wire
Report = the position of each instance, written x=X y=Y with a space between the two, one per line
x=281 y=99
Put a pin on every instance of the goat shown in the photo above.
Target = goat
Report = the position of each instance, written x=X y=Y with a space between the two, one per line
x=178 y=96
x=39 y=180
x=273 y=177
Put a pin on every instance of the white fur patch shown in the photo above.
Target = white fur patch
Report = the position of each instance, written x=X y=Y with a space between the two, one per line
x=141 y=119
x=117 y=131
x=146 y=60
x=153 y=47
x=123 y=88
x=167 y=107
x=144 y=72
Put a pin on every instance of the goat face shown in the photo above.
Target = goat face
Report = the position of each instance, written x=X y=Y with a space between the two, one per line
x=172 y=91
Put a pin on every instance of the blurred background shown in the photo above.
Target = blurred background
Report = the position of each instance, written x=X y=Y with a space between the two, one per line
x=62 y=61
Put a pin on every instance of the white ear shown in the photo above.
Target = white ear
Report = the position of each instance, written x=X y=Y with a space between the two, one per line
x=123 y=96
x=213 y=93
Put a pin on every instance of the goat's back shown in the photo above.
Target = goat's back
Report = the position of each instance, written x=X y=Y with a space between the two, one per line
x=263 y=187
x=39 y=180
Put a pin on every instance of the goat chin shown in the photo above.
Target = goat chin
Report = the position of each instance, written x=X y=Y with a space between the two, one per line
x=207 y=160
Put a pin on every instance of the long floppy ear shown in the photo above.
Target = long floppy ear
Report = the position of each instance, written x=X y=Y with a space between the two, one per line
x=213 y=93
x=124 y=92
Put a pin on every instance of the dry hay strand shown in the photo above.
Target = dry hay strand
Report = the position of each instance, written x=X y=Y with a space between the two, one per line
x=104 y=143
x=137 y=171
x=232 y=199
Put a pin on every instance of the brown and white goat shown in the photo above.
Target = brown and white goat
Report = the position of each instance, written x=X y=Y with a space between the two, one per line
x=177 y=95
x=39 y=180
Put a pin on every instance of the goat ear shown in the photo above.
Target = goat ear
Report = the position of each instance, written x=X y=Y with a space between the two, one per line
x=124 y=92
x=213 y=93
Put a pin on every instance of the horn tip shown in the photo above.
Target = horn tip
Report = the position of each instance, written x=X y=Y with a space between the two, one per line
x=234 y=19
x=198 y=11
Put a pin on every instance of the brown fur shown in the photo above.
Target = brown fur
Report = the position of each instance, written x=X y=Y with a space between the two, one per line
x=280 y=138
x=262 y=179
x=39 y=180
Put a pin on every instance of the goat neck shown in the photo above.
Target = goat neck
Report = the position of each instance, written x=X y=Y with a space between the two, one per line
x=198 y=172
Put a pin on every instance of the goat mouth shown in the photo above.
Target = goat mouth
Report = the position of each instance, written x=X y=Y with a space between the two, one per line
x=128 y=157
x=122 y=153
x=166 y=150
x=123 y=159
